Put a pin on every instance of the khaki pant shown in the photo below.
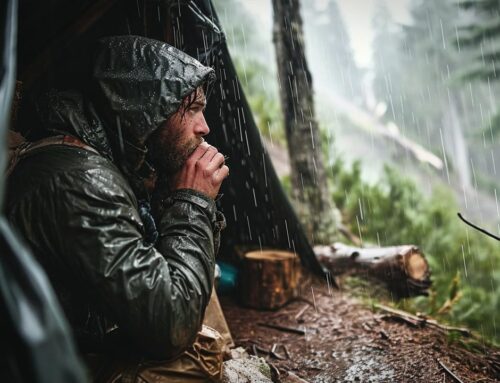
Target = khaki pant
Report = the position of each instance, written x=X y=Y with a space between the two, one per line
x=202 y=362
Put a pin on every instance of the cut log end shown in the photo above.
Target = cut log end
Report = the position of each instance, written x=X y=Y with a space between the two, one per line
x=416 y=266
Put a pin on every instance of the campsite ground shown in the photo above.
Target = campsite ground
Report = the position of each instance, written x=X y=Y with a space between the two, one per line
x=346 y=341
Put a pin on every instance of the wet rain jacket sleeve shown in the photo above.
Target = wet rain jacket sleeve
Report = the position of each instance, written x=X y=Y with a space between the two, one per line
x=157 y=296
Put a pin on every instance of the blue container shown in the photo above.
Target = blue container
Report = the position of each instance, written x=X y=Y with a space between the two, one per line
x=228 y=278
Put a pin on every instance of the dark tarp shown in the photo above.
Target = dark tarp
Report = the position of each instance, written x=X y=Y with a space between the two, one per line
x=258 y=212
x=36 y=344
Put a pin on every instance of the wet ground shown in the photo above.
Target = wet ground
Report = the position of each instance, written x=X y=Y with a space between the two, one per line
x=345 y=341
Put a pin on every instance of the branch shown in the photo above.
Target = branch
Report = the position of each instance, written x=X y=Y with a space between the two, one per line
x=478 y=228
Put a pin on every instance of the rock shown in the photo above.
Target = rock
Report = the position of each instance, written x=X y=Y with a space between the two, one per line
x=239 y=353
x=250 y=370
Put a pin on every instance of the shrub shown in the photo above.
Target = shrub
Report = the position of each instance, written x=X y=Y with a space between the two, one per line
x=464 y=263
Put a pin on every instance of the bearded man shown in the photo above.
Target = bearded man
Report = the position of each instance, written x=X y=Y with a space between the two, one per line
x=133 y=283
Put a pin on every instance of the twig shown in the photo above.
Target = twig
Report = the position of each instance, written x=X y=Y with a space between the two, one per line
x=274 y=369
x=286 y=351
x=404 y=319
x=277 y=356
x=302 y=311
x=478 y=228
x=275 y=347
x=254 y=349
x=449 y=372
x=283 y=328
x=421 y=322
x=262 y=350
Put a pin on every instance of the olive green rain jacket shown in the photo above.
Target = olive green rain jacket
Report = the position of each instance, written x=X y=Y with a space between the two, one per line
x=78 y=207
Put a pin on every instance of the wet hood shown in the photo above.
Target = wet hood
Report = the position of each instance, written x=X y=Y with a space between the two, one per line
x=141 y=82
x=137 y=84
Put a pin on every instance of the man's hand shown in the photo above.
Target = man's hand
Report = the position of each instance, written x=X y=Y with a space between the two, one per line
x=203 y=171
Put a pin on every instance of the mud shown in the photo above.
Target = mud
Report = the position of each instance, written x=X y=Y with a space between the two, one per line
x=345 y=341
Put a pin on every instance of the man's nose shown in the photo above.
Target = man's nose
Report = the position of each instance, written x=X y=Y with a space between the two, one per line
x=202 y=127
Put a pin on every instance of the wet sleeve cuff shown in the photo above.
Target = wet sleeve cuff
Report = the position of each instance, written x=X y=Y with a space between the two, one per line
x=197 y=198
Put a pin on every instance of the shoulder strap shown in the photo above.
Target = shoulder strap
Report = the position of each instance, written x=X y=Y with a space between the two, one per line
x=24 y=148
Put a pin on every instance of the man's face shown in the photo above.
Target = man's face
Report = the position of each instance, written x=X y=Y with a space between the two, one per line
x=174 y=141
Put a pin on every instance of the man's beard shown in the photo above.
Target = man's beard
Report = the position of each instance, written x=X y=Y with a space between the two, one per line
x=168 y=154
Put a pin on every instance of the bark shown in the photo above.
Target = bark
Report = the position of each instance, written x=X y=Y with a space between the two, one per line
x=309 y=182
x=403 y=269
x=271 y=278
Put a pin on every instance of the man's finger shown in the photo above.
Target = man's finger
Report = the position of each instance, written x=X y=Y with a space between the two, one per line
x=208 y=155
x=199 y=151
x=220 y=174
x=216 y=162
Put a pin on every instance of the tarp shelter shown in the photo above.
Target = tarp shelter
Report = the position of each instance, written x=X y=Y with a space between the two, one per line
x=36 y=345
x=55 y=45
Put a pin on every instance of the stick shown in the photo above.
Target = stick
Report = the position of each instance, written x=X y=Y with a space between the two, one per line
x=254 y=349
x=275 y=369
x=277 y=356
x=449 y=372
x=302 y=310
x=283 y=328
x=421 y=322
x=286 y=351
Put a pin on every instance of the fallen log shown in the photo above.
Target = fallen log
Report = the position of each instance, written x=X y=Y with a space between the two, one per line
x=403 y=269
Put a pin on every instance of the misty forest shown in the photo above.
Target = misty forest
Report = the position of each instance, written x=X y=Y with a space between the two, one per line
x=409 y=135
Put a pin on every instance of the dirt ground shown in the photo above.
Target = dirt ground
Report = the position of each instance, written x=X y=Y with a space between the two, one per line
x=345 y=341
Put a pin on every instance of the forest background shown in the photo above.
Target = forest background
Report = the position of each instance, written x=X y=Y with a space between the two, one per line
x=431 y=81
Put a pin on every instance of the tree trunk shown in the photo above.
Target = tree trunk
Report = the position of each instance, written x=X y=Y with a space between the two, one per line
x=460 y=150
x=310 y=189
x=403 y=269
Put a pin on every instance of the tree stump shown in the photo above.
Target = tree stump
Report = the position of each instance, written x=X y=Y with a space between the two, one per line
x=269 y=278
